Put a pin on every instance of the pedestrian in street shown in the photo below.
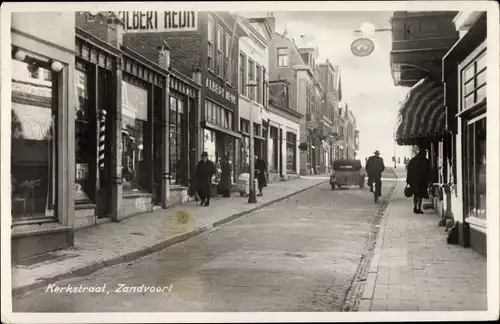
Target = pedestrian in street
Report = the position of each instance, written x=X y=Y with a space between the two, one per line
x=374 y=167
x=225 y=183
x=417 y=177
x=205 y=169
x=260 y=170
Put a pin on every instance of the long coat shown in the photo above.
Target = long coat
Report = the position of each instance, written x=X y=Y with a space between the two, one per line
x=260 y=169
x=375 y=166
x=225 y=178
x=417 y=176
x=203 y=175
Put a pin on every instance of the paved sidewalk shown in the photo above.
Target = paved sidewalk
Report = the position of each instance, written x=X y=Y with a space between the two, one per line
x=114 y=243
x=414 y=269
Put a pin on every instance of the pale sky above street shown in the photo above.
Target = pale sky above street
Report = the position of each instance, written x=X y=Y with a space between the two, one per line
x=367 y=83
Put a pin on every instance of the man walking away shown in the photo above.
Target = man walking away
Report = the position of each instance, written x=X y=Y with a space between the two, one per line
x=374 y=167
x=260 y=169
x=205 y=169
x=417 y=178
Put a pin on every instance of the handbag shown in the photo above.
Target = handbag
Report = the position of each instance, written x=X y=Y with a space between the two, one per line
x=408 y=191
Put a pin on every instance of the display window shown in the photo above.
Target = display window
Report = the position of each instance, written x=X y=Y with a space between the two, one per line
x=33 y=141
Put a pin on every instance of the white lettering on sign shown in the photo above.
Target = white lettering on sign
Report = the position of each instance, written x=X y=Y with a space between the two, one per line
x=214 y=87
x=159 y=21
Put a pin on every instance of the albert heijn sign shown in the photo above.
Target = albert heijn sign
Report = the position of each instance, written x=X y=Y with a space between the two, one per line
x=159 y=21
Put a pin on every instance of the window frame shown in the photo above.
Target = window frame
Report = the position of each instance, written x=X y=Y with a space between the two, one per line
x=258 y=79
x=211 y=25
x=479 y=53
x=219 y=59
x=243 y=74
x=250 y=78
x=285 y=56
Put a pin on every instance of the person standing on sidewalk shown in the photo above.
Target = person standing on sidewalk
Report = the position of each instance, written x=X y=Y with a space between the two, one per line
x=417 y=178
x=225 y=183
x=374 y=167
x=205 y=169
x=260 y=170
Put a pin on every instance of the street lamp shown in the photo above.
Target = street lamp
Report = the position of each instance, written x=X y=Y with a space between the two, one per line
x=252 y=198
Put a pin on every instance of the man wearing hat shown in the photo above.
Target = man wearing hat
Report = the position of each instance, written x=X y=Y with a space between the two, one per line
x=205 y=169
x=374 y=167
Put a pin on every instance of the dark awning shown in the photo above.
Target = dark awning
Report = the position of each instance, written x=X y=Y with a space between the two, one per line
x=422 y=114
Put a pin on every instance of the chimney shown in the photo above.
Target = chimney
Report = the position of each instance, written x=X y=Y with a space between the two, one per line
x=164 y=55
x=115 y=30
x=272 y=23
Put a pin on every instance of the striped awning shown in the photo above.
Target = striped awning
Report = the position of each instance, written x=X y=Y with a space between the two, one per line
x=31 y=122
x=422 y=115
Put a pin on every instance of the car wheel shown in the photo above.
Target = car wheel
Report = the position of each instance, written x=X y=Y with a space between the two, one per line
x=339 y=186
x=333 y=187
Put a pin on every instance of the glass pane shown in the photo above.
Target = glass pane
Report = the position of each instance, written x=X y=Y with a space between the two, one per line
x=84 y=148
x=481 y=62
x=135 y=116
x=481 y=94
x=468 y=87
x=468 y=73
x=209 y=144
x=214 y=113
x=33 y=150
x=470 y=167
x=480 y=168
x=173 y=157
x=481 y=79
x=469 y=101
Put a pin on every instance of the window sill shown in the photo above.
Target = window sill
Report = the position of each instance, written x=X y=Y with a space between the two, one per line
x=477 y=223
x=131 y=195
x=21 y=230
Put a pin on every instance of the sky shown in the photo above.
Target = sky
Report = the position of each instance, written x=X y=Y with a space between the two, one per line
x=367 y=85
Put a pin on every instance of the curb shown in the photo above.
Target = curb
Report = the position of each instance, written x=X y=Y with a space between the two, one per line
x=371 y=279
x=88 y=269
x=354 y=297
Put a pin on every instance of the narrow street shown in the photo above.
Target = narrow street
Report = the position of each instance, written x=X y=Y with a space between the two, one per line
x=297 y=255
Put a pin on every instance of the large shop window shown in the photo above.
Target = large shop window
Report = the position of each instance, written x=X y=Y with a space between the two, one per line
x=476 y=168
x=176 y=133
x=134 y=124
x=291 y=152
x=33 y=141
x=217 y=145
x=218 y=115
x=84 y=145
x=274 y=148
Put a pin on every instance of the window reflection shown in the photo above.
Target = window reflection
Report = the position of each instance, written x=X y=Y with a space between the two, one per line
x=134 y=123
x=33 y=148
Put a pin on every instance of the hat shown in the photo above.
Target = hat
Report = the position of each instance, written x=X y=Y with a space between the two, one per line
x=376 y=152
x=204 y=154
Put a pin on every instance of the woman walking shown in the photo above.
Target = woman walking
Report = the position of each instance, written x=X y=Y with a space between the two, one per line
x=225 y=178
x=417 y=178
x=260 y=170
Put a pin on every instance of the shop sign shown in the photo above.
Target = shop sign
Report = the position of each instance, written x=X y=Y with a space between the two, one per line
x=220 y=91
x=362 y=47
x=159 y=21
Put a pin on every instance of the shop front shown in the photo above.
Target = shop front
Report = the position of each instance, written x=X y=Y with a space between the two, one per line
x=42 y=166
x=219 y=124
x=465 y=71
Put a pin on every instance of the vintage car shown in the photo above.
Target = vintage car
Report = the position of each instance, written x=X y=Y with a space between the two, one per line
x=347 y=173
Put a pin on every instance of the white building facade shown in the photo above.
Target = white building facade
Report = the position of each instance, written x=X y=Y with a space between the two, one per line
x=253 y=100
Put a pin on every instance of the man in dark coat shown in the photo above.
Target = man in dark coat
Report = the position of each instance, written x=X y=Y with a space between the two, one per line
x=260 y=170
x=374 y=167
x=205 y=169
x=225 y=183
x=417 y=177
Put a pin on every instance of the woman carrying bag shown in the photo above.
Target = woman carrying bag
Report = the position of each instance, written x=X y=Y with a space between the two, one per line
x=417 y=178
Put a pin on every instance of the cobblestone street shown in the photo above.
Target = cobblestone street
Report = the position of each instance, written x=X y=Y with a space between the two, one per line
x=297 y=255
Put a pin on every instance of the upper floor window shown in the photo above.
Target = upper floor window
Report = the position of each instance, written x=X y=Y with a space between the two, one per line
x=259 y=84
x=251 y=77
x=282 y=57
x=243 y=75
x=211 y=41
x=219 y=61
x=473 y=81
